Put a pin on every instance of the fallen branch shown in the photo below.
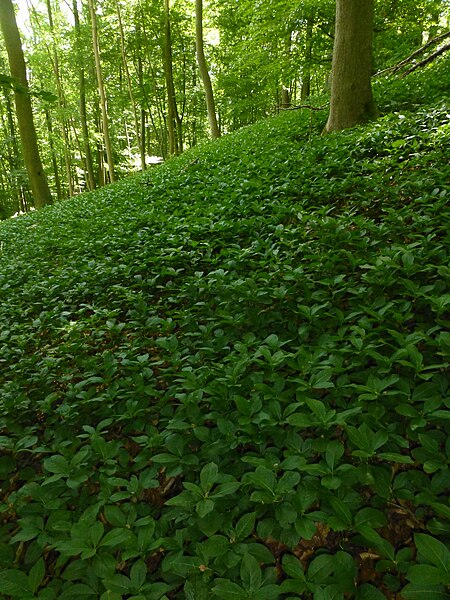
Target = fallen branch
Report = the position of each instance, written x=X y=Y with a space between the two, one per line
x=426 y=60
x=421 y=50
x=304 y=106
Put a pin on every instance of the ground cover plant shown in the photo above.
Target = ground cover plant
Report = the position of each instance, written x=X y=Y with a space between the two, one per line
x=228 y=377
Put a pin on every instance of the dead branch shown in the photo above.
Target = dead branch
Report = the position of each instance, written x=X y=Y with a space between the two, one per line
x=304 y=106
x=405 y=61
x=427 y=60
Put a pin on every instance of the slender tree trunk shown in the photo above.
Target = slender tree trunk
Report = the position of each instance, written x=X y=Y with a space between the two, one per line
x=306 y=79
x=27 y=131
x=61 y=103
x=48 y=120
x=203 y=68
x=90 y=180
x=173 y=120
x=130 y=87
x=351 y=91
x=101 y=91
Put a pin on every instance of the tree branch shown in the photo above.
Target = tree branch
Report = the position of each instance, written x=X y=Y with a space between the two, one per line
x=427 y=60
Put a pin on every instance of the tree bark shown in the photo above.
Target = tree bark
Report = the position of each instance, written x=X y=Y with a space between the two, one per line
x=137 y=125
x=173 y=120
x=90 y=177
x=61 y=104
x=306 y=78
x=351 y=91
x=203 y=68
x=38 y=181
x=101 y=91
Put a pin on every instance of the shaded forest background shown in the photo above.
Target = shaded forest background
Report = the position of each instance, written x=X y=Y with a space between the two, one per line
x=263 y=57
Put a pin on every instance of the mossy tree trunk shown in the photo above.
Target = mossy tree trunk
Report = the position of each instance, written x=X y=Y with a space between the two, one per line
x=351 y=91
x=38 y=181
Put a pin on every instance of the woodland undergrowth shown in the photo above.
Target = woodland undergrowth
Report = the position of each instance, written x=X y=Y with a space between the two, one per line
x=228 y=377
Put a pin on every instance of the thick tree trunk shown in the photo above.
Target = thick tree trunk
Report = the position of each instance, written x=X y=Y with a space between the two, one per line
x=101 y=91
x=27 y=131
x=351 y=91
x=203 y=68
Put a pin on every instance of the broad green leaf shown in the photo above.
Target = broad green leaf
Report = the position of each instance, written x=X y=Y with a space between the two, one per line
x=14 y=583
x=434 y=551
x=293 y=567
x=369 y=592
x=228 y=590
x=36 y=575
x=115 y=537
x=417 y=591
x=342 y=511
x=245 y=526
x=251 y=575
x=321 y=568
x=208 y=476
x=138 y=574
x=427 y=574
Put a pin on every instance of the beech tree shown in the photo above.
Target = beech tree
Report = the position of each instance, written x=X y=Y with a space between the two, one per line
x=24 y=113
x=203 y=68
x=351 y=90
x=101 y=90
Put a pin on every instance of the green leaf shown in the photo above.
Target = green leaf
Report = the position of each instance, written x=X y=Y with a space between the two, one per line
x=333 y=453
x=427 y=574
x=251 y=575
x=225 y=489
x=208 y=476
x=204 y=507
x=433 y=550
x=321 y=568
x=263 y=479
x=293 y=567
x=379 y=543
x=369 y=592
x=36 y=575
x=14 y=583
x=245 y=526
x=418 y=591
x=57 y=464
x=138 y=574
x=215 y=546
x=115 y=537
x=228 y=590
x=342 y=511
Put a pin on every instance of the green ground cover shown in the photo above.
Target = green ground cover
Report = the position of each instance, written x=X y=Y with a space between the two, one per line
x=228 y=377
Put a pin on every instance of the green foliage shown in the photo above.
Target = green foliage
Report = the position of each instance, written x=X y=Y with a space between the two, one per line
x=228 y=377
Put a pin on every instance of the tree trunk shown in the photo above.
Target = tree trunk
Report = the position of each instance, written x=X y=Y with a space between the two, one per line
x=203 y=68
x=90 y=179
x=61 y=104
x=101 y=91
x=27 y=131
x=306 y=77
x=53 y=154
x=137 y=125
x=351 y=91
x=173 y=120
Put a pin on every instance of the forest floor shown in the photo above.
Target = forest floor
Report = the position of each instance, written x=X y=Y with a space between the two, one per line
x=228 y=377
